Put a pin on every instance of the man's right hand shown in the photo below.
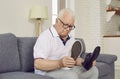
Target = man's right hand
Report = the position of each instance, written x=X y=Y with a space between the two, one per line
x=67 y=61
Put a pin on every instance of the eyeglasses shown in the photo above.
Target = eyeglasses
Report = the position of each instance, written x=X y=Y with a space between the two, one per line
x=65 y=26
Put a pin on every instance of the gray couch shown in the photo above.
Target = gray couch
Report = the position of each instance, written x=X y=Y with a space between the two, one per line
x=16 y=59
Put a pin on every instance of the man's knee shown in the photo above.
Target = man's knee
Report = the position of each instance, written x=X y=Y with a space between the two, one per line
x=71 y=75
x=95 y=70
x=63 y=74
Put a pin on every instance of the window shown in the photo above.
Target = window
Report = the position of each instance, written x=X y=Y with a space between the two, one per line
x=54 y=10
x=56 y=6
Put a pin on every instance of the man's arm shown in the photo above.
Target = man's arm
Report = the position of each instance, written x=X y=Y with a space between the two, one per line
x=47 y=65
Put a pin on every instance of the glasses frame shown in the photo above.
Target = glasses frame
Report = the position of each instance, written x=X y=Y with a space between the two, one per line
x=67 y=25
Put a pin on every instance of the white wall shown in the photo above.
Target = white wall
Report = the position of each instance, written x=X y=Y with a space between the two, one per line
x=88 y=22
x=14 y=16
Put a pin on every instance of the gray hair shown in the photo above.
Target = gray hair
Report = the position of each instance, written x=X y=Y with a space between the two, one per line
x=66 y=11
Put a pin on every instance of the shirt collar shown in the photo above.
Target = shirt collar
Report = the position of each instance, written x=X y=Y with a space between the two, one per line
x=64 y=42
x=53 y=31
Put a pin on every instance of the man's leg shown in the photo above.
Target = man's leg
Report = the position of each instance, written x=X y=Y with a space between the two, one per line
x=83 y=74
x=63 y=74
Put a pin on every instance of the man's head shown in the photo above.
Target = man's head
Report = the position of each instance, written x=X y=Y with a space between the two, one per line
x=65 y=22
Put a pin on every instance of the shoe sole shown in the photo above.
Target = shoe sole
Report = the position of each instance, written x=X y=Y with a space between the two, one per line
x=76 y=50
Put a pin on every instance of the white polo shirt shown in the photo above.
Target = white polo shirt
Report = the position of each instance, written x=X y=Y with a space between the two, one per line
x=50 y=46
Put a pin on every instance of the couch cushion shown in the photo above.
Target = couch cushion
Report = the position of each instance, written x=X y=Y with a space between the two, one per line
x=103 y=68
x=25 y=45
x=22 y=75
x=9 y=56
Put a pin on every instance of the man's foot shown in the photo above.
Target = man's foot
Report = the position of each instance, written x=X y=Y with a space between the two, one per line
x=76 y=50
x=90 y=57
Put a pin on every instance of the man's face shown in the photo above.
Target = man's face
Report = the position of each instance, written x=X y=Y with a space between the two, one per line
x=65 y=25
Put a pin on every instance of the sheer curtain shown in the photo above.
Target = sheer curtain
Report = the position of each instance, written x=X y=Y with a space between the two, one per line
x=57 y=5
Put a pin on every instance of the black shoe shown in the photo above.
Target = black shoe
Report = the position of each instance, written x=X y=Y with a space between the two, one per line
x=76 y=50
x=90 y=57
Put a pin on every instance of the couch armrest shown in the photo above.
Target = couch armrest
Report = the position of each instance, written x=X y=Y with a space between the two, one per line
x=106 y=58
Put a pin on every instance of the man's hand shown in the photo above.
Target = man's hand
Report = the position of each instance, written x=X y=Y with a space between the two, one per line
x=67 y=62
x=94 y=63
x=79 y=61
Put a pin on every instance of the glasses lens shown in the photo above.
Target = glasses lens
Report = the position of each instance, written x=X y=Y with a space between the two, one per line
x=71 y=27
x=66 y=25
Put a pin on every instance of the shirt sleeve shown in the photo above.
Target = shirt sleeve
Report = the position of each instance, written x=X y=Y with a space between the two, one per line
x=42 y=48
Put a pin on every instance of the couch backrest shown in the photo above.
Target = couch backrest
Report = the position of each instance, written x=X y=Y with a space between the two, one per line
x=25 y=46
x=16 y=53
x=9 y=56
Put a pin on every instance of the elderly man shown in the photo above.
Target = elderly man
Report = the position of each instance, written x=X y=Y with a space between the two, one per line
x=51 y=51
